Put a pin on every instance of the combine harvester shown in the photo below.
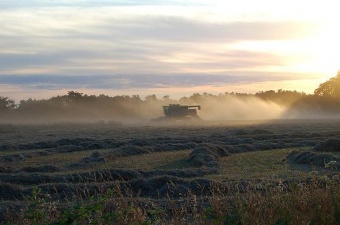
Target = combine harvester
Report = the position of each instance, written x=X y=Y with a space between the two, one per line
x=177 y=112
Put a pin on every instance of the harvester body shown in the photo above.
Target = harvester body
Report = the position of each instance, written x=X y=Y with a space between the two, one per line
x=177 y=111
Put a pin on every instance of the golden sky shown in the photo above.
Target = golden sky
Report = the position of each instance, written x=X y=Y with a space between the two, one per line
x=166 y=47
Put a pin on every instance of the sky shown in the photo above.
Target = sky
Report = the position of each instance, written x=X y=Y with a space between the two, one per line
x=166 y=47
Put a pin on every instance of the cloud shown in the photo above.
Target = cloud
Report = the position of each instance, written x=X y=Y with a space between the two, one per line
x=147 y=81
x=91 y=3
x=176 y=29
x=57 y=26
x=133 y=61
x=81 y=42
x=130 y=44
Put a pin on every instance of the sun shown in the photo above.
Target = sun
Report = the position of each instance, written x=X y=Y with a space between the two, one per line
x=316 y=53
x=327 y=48
x=323 y=48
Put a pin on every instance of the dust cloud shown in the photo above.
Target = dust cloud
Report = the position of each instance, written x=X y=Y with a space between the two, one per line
x=220 y=109
x=234 y=108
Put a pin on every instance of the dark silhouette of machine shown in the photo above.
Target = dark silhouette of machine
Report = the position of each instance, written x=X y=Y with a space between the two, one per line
x=180 y=112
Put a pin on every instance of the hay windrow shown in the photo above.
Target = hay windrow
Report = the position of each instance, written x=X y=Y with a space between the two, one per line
x=158 y=163
x=40 y=169
x=329 y=145
x=207 y=155
x=312 y=158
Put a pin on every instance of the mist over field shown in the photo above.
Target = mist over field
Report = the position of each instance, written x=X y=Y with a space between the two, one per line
x=234 y=108
x=212 y=109
x=264 y=105
x=224 y=108
x=77 y=107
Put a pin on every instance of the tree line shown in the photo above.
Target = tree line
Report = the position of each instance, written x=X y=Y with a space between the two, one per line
x=78 y=105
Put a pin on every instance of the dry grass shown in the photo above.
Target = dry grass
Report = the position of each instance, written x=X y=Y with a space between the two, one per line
x=256 y=205
x=261 y=165
x=156 y=160
x=51 y=159
x=315 y=203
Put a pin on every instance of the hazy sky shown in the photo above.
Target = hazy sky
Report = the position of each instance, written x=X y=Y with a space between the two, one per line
x=48 y=47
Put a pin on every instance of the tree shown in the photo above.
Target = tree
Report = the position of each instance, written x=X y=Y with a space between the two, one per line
x=166 y=98
x=151 y=98
x=330 y=88
x=74 y=95
x=6 y=103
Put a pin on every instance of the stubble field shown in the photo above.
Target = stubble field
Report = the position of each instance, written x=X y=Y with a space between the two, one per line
x=250 y=172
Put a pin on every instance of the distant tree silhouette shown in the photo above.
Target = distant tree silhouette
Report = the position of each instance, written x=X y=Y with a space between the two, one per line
x=151 y=98
x=6 y=103
x=136 y=98
x=166 y=98
x=330 y=88
x=74 y=96
x=281 y=96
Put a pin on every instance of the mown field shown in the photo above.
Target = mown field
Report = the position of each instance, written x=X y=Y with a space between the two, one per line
x=249 y=172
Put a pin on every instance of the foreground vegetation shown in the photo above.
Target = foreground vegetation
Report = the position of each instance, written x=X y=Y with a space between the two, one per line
x=315 y=202
x=278 y=172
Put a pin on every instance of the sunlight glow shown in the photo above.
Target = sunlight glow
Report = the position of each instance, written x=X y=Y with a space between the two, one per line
x=174 y=37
